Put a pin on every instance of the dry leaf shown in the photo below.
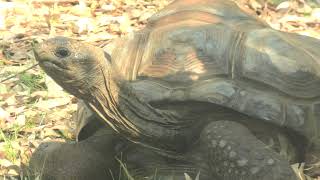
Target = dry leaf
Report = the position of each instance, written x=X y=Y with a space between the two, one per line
x=54 y=90
x=2 y=153
x=4 y=115
x=83 y=25
x=5 y=163
x=108 y=7
x=50 y=133
x=52 y=103
x=20 y=120
x=10 y=101
x=135 y=13
x=283 y=5
x=255 y=4
x=298 y=169
x=144 y=16
x=81 y=10
x=316 y=14
x=305 y=9
x=104 y=20
x=13 y=172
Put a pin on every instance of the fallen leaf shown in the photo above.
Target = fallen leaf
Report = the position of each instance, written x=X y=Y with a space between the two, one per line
x=255 y=4
x=52 y=103
x=5 y=116
x=81 y=10
x=283 y=5
x=10 y=101
x=83 y=25
x=54 y=90
x=144 y=16
x=13 y=171
x=108 y=7
x=2 y=154
x=316 y=14
x=5 y=163
x=20 y=120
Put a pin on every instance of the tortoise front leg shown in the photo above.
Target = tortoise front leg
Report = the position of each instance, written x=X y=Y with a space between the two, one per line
x=92 y=158
x=235 y=153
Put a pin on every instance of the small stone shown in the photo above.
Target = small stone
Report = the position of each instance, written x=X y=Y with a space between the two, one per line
x=230 y=170
x=236 y=171
x=254 y=170
x=243 y=173
x=232 y=154
x=270 y=161
x=242 y=162
x=222 y=143
x=229 y=147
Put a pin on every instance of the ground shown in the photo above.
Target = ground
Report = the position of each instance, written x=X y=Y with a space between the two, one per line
x=33 y=109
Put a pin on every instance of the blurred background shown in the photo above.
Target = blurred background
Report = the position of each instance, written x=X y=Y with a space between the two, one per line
x=34 y=109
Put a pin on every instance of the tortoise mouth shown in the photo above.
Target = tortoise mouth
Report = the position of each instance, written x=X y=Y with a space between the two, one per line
x=44 y=59
x=51 y=65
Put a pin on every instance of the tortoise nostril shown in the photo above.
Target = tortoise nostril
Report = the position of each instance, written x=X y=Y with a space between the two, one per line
x=62 y=52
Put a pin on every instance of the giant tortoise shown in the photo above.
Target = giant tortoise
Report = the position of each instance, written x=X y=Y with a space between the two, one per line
x=201 y=89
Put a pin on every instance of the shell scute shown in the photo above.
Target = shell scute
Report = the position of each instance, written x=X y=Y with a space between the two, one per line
x=193 y=51
x=279 y=60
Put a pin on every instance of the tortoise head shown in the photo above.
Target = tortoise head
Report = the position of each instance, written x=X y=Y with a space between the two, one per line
x=73 y=65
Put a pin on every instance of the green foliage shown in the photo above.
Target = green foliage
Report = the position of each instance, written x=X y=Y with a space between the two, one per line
x=32 y=82
x=30 y=124
x=10 y=152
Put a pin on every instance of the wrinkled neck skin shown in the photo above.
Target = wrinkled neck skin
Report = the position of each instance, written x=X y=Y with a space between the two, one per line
x=114 y=100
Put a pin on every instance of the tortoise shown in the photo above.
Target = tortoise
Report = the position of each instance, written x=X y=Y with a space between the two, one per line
x=201 y=86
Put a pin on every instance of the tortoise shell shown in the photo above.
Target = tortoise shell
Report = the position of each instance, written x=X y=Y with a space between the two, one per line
x=214 y=52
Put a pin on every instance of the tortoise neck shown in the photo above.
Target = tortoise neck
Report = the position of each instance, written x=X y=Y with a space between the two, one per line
x=115 y=101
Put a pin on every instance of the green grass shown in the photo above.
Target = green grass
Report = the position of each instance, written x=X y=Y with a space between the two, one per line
x=10 y=152
x=124 y=173
x=124 y=170
x=10 y=136
x=32 y=82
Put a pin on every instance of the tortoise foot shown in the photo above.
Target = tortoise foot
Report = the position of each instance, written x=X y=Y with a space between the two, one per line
x=64 y=161
x=235 y=153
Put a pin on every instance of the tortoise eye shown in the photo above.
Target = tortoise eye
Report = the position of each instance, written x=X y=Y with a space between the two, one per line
x=62 y=52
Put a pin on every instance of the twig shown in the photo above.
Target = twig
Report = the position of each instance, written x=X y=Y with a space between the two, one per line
x=14 y=75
